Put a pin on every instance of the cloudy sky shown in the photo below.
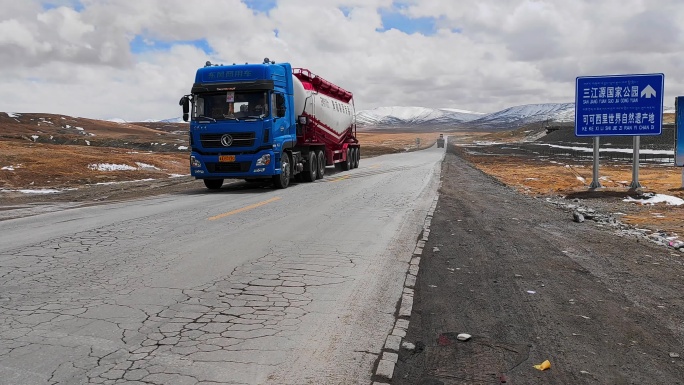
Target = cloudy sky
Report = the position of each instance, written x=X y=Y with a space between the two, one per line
x=134 y=59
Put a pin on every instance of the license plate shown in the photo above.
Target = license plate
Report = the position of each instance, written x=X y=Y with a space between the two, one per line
x=226 y=158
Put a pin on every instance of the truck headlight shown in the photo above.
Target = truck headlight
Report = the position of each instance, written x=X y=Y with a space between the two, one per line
x=194 y=162
x=265 y=160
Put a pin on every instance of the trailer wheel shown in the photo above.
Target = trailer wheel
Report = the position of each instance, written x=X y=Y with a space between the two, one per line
x=346 y=165
x=213 y=184
x=355 y=160
x=321 y=164
x=311 y=168
x=283 y=180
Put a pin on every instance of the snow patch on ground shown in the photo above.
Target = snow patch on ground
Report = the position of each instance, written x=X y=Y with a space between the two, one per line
x=122 y=167
x=111 y=167
x=620 y=150
x=145 y=166
x=657 y=198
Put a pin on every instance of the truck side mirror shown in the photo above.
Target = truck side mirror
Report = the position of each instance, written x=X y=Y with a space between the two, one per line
x=185 y=102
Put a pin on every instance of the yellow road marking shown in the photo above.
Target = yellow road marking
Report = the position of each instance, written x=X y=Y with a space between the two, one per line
x=340 y=178
x=244 y=209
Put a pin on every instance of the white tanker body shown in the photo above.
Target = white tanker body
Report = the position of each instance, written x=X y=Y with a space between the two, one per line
x=328 y=125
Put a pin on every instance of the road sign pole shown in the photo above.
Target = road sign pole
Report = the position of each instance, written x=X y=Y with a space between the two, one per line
x=595 y=182
x=635 y=165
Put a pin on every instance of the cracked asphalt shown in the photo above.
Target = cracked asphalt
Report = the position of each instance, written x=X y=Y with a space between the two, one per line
x=245 y=285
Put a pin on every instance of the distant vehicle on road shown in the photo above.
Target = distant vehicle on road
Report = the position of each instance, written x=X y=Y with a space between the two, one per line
x=440 y=141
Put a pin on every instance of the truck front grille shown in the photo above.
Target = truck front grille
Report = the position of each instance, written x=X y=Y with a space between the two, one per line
x=239 y=139
x=228 y=167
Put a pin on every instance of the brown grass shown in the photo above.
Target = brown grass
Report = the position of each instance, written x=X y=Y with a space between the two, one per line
x=38 y=165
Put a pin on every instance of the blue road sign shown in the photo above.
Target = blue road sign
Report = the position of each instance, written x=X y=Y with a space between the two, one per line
x=619 y=105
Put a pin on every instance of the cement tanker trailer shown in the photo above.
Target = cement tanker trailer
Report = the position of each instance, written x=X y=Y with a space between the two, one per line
x=268 y=121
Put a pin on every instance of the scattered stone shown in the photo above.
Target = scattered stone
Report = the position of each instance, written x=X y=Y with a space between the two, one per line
x=674 y=355
x=435 y=249
x=463 y=337
x=577 y=217
x=408 y=346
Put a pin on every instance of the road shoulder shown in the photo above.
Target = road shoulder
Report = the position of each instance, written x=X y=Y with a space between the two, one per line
x=530 y=285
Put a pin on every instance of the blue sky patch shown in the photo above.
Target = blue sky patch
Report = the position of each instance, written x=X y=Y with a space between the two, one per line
x=76 y=5
x=140 y=44
x=395 y=19
x=260 y=6
x=345 y=10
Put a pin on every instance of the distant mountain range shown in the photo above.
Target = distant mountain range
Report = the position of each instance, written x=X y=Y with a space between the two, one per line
x=513 y=117
x=450 y=118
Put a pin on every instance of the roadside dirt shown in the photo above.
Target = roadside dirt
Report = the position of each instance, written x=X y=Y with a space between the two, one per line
x=530 y=285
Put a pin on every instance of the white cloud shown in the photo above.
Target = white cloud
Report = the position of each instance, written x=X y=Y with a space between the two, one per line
x=76 y=58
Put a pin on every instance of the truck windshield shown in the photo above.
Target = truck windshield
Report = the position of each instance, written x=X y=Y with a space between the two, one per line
x=232 y=105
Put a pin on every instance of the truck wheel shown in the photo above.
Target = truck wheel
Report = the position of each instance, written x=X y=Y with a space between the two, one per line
x=321 y=164
x=355 y=160
x=283 y=180
x=346 y=165
x=213 y=184
x=311 y=168
x=358 y=156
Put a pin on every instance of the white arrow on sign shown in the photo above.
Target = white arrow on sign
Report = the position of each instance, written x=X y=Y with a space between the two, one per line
x=648 y=92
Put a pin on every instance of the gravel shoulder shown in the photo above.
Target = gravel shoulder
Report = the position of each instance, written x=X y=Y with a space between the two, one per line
x=530 y=285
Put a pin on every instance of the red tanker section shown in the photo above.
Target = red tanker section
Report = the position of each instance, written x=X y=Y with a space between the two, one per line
x=316 y=83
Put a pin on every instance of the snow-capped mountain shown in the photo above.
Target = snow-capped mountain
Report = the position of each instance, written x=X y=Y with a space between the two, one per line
x=171 y=120
x=388 y=116
x=513 y=117
x=529 y=113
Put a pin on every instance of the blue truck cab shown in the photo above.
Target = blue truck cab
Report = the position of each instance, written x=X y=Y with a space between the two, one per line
x=242 y=120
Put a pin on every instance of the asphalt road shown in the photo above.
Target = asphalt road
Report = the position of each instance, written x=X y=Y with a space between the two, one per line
x=245 y=285
x=529 y=285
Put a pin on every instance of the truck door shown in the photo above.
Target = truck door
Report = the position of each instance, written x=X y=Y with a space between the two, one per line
x=282 y=126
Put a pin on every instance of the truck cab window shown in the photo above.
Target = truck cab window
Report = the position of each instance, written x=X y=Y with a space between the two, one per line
x=240 y=105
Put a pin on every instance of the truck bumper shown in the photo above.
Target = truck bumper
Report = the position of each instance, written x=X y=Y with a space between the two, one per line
x=243 y=166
